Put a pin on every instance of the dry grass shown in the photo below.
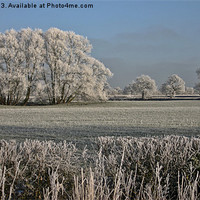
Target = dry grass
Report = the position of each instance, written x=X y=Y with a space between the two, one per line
x=119 y=168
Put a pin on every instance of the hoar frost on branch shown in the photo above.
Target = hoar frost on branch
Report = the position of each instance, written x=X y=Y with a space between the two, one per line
x=54 y=66
x=31 y=45
x=12 y=79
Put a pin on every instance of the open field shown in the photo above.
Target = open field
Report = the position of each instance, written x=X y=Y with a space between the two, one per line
x=82 y=122
x=137 y=167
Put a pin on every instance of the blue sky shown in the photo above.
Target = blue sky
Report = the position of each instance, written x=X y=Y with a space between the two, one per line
x=157 y=38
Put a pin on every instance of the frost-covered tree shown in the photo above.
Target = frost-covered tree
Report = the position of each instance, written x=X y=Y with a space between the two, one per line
x=56 y=65
x=12 y=76
x=70 y=70
x=31 y=46
x=99 y=75
x=197 y=86
x=130 y=89
x=198 y=73
x=174 y=85
x=113 y=91
x=143 y=85
x=21 y=56
x=117 y=90
x=189 y=90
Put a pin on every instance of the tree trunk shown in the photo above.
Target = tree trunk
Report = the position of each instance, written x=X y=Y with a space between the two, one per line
x=70 y=98
x=27 y=96
x=143 y=95
x=53 y=87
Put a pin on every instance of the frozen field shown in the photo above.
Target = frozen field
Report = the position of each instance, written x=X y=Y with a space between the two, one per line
x=83 y=122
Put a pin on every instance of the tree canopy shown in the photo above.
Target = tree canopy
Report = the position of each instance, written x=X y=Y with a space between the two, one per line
x=174 y=85
x=143 y=85
x=54 y=66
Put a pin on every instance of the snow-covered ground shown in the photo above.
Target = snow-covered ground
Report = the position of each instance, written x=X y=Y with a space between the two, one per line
x=77 y=122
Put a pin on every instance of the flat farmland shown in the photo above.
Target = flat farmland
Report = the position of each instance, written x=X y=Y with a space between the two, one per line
x=81 y=123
